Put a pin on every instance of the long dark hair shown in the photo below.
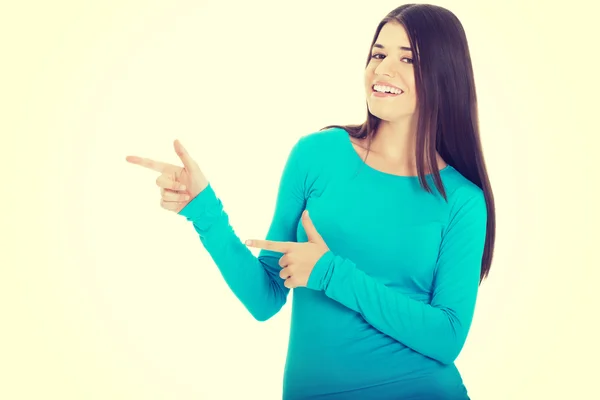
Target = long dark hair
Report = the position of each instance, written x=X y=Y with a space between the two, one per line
x=447 y=104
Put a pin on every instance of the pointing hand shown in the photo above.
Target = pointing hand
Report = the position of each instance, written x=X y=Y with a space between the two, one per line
x=298 y=259
x=178 y=186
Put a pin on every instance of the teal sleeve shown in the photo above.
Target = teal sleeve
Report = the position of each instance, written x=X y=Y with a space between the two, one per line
x=439 y=329
x=254 y=280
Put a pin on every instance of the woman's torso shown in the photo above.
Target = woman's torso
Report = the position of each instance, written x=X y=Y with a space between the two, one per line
x=391 y=229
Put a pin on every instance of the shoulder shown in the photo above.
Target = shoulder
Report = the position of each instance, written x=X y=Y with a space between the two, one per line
x=317 y=156
x=464 y=196
x=320 y=141
x=460 y=188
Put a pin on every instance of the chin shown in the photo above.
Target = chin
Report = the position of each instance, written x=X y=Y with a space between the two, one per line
x=391 y=116
x=387 y=116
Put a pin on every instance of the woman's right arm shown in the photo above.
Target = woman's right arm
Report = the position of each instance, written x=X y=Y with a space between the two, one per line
x=254 y=280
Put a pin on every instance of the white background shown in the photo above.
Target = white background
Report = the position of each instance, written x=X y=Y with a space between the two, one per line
x=104 y=295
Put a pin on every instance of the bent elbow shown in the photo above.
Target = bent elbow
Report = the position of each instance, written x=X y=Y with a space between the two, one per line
x=266 y=310
x=447 y=357
x=449 y=353
x=262 y=316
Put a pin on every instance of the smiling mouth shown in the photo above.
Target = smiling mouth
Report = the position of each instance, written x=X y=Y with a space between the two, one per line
x=387 y=91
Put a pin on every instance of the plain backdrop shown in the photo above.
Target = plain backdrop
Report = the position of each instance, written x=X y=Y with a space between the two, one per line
x=105 y=295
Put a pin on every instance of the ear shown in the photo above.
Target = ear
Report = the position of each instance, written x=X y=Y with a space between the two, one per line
x=311 y=232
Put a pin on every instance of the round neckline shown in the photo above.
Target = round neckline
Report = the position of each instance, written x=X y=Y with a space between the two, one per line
x=358 y=158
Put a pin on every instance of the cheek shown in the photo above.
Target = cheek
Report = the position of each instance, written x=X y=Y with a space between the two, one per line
x=368 y=76
x=410 y=82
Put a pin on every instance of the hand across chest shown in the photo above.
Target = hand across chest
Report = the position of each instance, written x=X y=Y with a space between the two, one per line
x=391 y=239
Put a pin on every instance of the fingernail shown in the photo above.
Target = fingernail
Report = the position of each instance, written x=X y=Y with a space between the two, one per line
x=182 y=187
x=248 y=242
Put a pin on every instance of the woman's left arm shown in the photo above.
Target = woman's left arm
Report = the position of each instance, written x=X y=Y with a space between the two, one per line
x=439 y=329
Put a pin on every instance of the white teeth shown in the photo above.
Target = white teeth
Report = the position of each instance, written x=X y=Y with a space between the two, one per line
x=386 y=89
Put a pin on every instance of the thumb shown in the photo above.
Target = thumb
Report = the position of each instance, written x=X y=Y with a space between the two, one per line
x=311 y=232
x=184 y=156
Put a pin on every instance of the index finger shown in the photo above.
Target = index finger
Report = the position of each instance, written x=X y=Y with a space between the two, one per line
x=157 y=166
x=279 y=247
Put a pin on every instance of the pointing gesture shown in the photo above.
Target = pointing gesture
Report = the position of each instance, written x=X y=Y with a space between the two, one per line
x=298 y=259
x=178 y=186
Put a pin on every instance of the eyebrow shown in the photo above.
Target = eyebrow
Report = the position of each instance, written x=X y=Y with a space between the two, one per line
x=380 y=46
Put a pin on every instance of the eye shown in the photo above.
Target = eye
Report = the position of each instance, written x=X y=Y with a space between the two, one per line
x=379 y=56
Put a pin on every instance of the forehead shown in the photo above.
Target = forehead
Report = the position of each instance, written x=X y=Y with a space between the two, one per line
x=393 y=35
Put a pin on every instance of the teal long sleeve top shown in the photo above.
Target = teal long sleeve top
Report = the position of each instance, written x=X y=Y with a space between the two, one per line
x=387 y=309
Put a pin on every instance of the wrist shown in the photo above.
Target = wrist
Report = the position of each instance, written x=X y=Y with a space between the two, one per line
x=321 y=272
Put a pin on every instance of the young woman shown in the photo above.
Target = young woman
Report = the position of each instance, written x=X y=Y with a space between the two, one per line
x=387 y=265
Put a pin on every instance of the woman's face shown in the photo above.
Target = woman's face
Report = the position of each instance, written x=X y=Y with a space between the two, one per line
x=391 y=68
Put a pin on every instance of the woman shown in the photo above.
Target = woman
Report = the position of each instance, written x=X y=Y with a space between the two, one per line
x=386 y=267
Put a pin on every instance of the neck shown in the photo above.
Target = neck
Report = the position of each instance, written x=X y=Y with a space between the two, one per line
x=396 y=141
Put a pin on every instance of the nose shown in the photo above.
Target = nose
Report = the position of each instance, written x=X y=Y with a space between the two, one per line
x=386 y=67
